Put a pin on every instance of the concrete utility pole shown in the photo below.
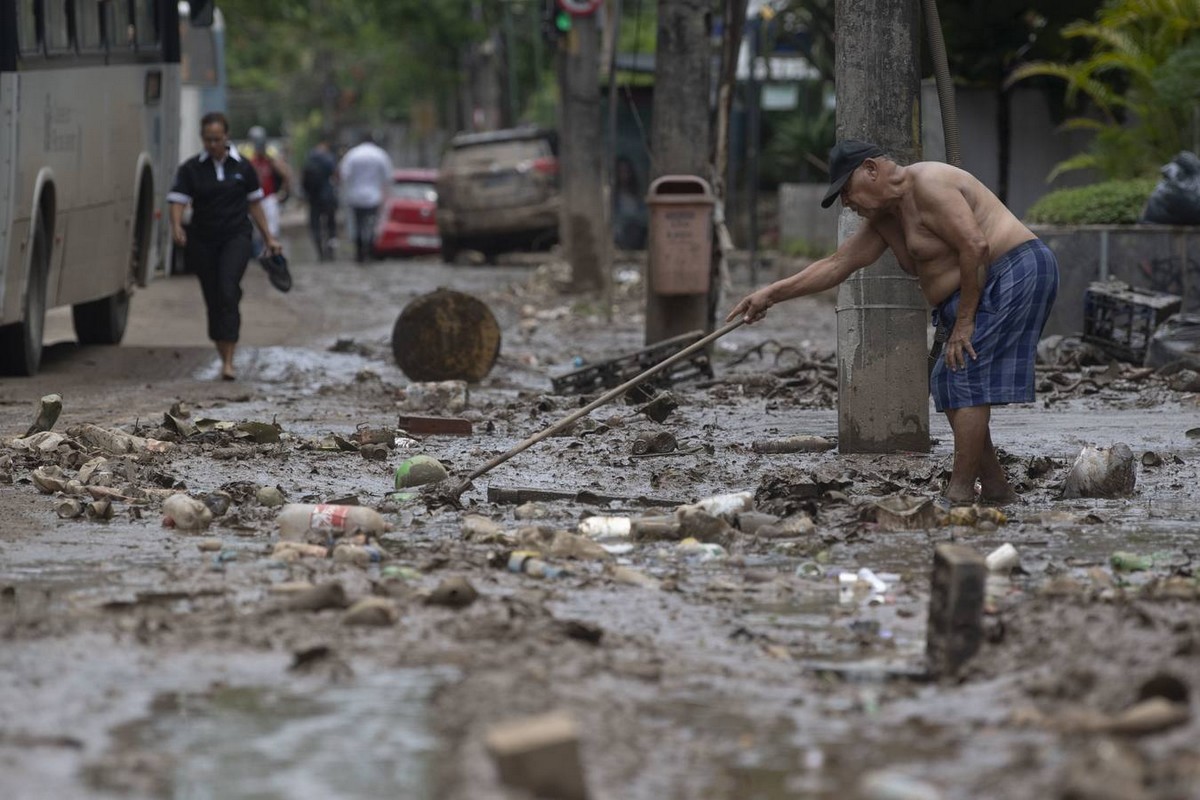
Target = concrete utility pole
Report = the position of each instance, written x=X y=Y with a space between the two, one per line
x=680 y=140
x=883 y=388
x=585 y=236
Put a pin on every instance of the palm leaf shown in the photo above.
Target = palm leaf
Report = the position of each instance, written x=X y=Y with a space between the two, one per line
x=1080 y=161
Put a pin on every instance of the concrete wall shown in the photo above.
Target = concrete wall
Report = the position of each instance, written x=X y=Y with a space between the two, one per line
x=802 y=218
x=1036 y=146
x=1161 y=258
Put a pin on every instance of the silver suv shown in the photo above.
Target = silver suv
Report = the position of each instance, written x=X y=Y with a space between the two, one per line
x=498 y=191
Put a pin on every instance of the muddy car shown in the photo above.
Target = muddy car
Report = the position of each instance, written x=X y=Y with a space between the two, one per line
x=497 y=192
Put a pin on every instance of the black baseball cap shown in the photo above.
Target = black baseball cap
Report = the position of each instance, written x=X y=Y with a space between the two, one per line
x=844 y=158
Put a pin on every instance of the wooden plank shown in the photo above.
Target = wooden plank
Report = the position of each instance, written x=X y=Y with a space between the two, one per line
x=955 y=628
x=518 y=495
x=435 y=426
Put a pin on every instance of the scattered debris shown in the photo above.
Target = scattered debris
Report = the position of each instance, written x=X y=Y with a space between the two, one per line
x=539 y=755
x=185 y=513
x=1003 y=560
x=519 y=496
x=48 y=409
x=419 y=471
x=661 y=442
x=529 y=563
x=794 y=444
x=435 y=426
x=297 y=521
x=444 y=396
x=376 y=612
x=453 y=593
x=613 y=372
x=1102 y=472
x=955 y=628
x=269 y=496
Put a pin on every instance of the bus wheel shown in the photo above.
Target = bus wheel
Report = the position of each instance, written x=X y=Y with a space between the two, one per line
x=102 y=321
x=21 y=342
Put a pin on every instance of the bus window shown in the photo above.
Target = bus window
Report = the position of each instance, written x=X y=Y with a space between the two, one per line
x=88 y=36
x=145 y=22
x=198 y=66
x=115 y=36
x=27 y=27
x=58 y=26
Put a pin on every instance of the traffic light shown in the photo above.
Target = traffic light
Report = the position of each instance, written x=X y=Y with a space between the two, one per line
x=556 y=22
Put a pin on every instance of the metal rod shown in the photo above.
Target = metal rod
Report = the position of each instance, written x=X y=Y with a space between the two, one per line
x=599 y=401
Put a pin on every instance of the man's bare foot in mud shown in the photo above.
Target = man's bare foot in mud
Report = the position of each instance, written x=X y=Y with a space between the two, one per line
x=959 y=495
x=997 y=493
x=1006 y=499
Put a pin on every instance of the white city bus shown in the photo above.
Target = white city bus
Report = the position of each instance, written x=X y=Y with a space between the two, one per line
x=89 y=141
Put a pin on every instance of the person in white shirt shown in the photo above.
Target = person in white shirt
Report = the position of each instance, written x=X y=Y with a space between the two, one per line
x=366 y=175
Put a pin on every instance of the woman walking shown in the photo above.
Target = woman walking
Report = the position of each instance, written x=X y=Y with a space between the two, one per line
x=223 y=190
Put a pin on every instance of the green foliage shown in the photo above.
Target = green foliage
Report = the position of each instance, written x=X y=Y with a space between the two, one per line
x=1138 y=82
x=1118 y=202
x=336 y=63
x=798 y=146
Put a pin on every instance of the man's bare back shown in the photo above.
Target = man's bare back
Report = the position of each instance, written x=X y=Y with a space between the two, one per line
x=936 y=193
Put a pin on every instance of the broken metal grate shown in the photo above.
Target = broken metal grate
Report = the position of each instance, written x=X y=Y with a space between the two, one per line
x=615 y=371
x=1121 y=319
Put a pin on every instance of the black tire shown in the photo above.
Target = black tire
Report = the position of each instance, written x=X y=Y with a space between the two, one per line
x=21 y=342
x=450 y=250
x=102 y=321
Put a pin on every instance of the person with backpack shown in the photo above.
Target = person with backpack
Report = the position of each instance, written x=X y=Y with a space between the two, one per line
x=317 y=179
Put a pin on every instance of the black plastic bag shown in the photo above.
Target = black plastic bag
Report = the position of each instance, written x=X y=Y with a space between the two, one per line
x=1176 y=198
x=1177 y=339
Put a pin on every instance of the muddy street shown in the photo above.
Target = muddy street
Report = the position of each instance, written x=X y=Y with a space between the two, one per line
x=723 y=654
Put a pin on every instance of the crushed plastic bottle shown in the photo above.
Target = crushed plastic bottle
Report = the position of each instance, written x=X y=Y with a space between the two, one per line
x=606 y=527
x=722 y=505
x=527 y=561
x=691 y=549
x=1004 y=559
x=185 y=513
x=296 y=520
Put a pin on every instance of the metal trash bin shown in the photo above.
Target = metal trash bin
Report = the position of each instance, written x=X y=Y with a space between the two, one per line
x=681 y=229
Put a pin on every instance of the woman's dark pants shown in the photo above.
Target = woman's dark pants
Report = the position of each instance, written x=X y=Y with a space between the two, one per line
x=220 y=266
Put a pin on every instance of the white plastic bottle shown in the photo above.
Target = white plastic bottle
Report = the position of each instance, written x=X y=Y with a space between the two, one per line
x=606 y=527
x=297 y=519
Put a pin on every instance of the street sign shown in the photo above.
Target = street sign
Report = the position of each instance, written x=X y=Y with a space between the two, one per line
x=579 y=8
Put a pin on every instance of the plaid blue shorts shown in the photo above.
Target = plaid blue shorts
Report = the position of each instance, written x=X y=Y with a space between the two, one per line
x=1013 y=308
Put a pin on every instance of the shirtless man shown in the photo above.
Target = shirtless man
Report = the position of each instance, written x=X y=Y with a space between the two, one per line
x=989 y=280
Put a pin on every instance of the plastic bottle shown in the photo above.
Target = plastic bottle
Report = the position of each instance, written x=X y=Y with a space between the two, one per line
x=1003 y=559
x=606 y=527
x=185 y=513
x=723 y=505
x=297 y=519
x=527 y=561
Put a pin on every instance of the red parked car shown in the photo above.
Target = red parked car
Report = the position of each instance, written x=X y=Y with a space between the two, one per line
x=408 y=222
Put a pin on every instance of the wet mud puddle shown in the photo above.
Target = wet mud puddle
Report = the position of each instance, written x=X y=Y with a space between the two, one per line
x=367 y=738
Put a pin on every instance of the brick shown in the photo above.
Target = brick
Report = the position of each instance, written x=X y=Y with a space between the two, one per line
x=539 y=754
x=433 y=426
x=955 y=628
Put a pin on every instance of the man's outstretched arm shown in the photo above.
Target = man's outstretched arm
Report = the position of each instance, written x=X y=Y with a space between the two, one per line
x=860 y=250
